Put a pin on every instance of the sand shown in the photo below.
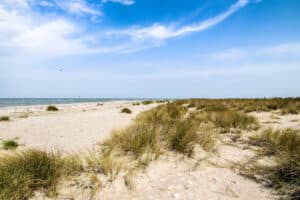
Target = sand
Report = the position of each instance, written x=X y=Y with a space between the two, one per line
x=74 y=128
x=78 y=127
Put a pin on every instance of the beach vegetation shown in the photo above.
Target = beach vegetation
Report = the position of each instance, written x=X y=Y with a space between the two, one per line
x=126 y=110
x=4 y=118
x=9 y=144
x=284 y=147
x=147 y=102
x=52 y=108
x=22 y=173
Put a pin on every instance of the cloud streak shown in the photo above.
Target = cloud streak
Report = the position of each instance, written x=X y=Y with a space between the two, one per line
x=289 y=50
x=123 y=2
x=161 y=32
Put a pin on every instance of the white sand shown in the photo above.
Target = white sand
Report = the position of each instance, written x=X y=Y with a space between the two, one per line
x=75 y=127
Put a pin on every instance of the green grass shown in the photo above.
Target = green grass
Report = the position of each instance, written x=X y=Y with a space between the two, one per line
x=52 y=108
x=9 y=144
x=284 y=146
x=4 y=118
x=22 y=173
x=126 y=110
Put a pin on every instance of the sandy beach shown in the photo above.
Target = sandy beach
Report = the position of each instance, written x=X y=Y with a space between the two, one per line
x=74 y=128
x=77 y=128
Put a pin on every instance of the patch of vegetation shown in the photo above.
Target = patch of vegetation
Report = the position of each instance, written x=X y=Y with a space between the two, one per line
x=9 y=144
x=284 y=146
x=166 y=127
x=22 y=173
x=126 y=110
x=136 y=104
x=232 y=119
x=52 y=108
x=147 y=102
x=107 y=161
x=289 y=110
x=245 y=105
x=4 y=118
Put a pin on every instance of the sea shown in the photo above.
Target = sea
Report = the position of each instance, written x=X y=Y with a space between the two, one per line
x=11 y=102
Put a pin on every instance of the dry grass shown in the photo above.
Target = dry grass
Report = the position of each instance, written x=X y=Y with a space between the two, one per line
x=107 y=161
x=233 y=119
x=246 y=105
x=166 y=127
x=284 y=146
x=22 y=173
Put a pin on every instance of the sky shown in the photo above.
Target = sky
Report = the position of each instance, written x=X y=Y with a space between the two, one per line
x=149 y=48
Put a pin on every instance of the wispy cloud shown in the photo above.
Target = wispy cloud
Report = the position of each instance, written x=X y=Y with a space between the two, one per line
x=29 y=32
x=123 y=2
x=291 y=49
x=78 y=7
x=46 y=4
x=161 y=32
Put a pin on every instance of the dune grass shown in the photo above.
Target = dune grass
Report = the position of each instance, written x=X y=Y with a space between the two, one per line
x=284 y=146
x=9 y=144
x=52 y=108
x=233 y=119
x=247 y=105
x=4 y=118
x=21 y=173
x=168 y=127
x=147 y=102
x=126 y=110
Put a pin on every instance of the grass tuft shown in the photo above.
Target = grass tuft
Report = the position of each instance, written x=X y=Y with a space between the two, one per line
x=9 y=144
x=284 y=146
x=22 y=173
x=4 y=118
x=233 y=119
x=126 y=110
x=52 y=108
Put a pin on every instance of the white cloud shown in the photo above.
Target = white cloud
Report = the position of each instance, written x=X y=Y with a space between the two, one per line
x=279 y=50
x=124 y=2
x=21 y=4
x=37 y=34
x=160 y=32
x=31 y=34
x=46 y=4
x=78 y=7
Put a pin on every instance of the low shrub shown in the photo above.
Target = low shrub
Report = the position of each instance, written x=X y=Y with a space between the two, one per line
x=126 y=110
x=52 y=108
x=4 y=118
x=9 y=144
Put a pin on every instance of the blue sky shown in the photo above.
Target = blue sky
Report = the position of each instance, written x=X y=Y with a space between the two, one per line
x=149 y=48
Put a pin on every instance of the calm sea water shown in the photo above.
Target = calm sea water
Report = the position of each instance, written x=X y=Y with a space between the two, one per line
x=4 y=102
